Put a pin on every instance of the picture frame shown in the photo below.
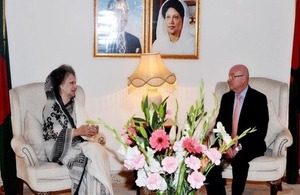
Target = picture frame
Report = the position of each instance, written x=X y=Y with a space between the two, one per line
x=187 y=46
x=111 y=21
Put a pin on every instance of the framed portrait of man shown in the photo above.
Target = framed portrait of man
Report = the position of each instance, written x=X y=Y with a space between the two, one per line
x=119 y=28
x=174 y=28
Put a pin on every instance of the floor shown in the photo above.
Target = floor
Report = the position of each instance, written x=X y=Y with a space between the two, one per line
x=123 y=186
x=251 y=189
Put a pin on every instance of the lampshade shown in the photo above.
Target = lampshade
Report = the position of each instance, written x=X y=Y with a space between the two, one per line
x=151 y=73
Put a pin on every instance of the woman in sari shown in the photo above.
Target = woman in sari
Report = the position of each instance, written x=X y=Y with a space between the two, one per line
x=68 y=140
x=173 y=30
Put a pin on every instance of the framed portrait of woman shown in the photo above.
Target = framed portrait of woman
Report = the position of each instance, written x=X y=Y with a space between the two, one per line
x=119 y=27
x=174 y=28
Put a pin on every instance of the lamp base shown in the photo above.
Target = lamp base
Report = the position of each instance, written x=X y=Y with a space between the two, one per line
x=153 y=96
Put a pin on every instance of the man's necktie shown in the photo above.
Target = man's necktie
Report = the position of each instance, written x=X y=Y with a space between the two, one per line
x=236 y=115
x=121 y=47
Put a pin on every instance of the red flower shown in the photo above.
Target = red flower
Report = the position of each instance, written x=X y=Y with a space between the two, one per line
x=131 y=131
x=191 y=145
x=159 y=140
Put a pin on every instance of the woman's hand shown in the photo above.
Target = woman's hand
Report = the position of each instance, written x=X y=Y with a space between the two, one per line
x=86 y=130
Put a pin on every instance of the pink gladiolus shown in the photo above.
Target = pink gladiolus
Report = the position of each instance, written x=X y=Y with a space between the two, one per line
x=214 y=155
x=134 y=159
x=196 y=179
x=137 y=162
x=127 y=139
x=193 y=162
x=132 y=131
x=177 y=146
x=154 y=181
x=159 y=140
x=191 y=145
x=170 y=164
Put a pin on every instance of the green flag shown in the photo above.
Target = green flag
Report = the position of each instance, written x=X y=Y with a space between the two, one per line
x=7 y=156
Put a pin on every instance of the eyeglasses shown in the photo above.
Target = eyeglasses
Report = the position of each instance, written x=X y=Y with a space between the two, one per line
x=231 y=77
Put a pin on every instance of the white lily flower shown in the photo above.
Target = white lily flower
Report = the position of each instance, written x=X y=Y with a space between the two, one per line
x=187 y=126
x=155 y=166
x=141 y=178
x=150 y=152
x=132 y=152
x=220 y=130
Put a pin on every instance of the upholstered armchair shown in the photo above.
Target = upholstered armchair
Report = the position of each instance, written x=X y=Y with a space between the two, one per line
x=41 y=176
x=270 y=167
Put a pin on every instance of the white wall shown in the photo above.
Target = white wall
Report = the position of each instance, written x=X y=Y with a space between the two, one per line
x=44 y=34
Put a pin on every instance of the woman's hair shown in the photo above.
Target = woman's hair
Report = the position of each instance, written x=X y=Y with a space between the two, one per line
x=59 y=74
x=174 y=4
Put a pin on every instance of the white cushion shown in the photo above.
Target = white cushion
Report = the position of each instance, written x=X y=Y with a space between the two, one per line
x=50 y=171
x=274 y=127
x=33 y=134
x=264 y=163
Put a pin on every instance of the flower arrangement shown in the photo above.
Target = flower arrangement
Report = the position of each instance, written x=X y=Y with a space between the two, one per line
x=174 y=161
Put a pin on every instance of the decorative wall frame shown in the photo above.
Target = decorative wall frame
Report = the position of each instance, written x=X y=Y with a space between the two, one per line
x=144 y=25
x=187 y=46
x=110 y=20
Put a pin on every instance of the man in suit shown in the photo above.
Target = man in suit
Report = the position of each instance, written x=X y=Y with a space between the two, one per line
x=252 y=112
x=116 y=39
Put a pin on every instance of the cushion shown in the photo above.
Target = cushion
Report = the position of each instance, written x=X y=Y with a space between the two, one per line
x=264 y=163
x=33 y=134
x=50 y=171
x=274 y=127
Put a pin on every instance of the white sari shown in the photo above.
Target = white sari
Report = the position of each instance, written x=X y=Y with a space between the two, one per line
x=87 y=160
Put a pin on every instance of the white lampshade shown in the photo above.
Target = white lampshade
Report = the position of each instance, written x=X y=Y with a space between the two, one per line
x=151 y=73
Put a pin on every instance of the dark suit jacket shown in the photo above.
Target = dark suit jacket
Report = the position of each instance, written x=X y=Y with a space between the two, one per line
x=254 y=113
x=133 y=45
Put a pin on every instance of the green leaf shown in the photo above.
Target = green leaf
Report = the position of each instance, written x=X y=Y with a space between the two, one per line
x=162 y=112
x=142 y=130
x=155 y=123
x=154 y=106
x=139 y=120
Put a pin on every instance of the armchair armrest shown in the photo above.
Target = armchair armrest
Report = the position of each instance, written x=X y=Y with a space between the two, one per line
x=283 y=140
x=101 y=139
x=23 y=150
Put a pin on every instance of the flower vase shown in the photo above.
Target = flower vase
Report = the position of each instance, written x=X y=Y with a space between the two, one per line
x=145 y=191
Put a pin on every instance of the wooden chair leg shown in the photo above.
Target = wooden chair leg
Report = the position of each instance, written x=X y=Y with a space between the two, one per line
x=275 y=186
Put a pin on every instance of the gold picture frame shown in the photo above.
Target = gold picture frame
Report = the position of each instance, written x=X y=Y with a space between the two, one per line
x=109 y=23
x=187 y=45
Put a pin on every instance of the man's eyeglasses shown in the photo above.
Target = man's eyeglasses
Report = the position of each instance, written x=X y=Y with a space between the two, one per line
x=231 y=77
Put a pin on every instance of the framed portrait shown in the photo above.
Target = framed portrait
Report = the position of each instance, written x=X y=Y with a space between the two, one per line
x=174 y=28
x=119 y=28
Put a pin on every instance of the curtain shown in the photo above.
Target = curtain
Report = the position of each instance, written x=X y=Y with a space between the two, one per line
x=293 y=161
x=7 y=156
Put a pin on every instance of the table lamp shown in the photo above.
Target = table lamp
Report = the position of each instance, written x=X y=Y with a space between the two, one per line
x=151 y=74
